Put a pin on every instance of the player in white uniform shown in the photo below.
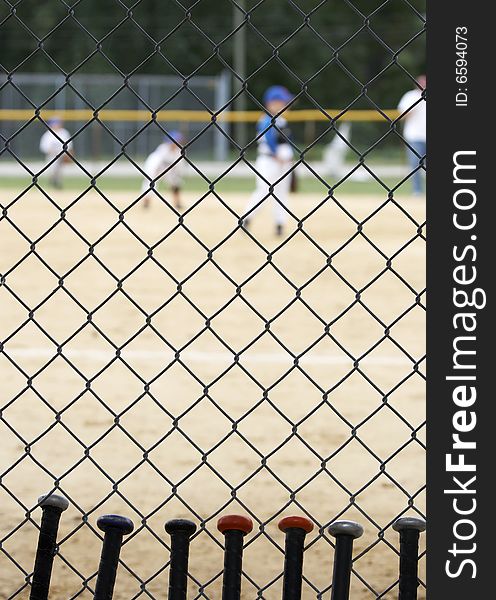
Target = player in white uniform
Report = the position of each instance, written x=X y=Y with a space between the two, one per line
x=334 y=155
x=414 y=108
x=165 y=163
x=52 y=146
x=275 y=155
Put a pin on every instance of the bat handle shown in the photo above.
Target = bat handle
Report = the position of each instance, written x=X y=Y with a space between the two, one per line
x=52 y=506
x=295 y=529
x=115 y=528
x=234 y=528
x=345 y=533
x=180 y=531
x=409 y=529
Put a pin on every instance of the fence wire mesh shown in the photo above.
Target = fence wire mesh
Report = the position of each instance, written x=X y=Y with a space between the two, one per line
x=188 y=362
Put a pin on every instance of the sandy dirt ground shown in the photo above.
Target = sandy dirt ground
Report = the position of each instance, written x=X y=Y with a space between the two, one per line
x=148 y=368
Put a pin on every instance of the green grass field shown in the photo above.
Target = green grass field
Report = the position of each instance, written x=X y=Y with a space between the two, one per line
x=225 y=185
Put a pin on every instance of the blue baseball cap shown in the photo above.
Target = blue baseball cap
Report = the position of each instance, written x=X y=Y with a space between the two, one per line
x=174 y=135
x=277 y=92
x=55 y=121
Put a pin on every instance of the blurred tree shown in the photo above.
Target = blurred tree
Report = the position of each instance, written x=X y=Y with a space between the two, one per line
x=333 y=47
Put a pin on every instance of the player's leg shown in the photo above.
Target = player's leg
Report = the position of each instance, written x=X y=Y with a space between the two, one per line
x=422 y=150
x=175 y=180
x=176 y=197
x=55 y=171
x=146 y=190
x=256 y=200
x=150 y=168
x=280 y=200
x=266 y=168
x=415 y=156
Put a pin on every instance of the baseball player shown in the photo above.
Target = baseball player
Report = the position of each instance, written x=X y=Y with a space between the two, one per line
x=414 y=131
x=275 y=155
x=164 y=163
x=52 y=146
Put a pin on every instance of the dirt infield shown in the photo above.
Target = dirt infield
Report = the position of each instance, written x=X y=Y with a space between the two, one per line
x=205 y=411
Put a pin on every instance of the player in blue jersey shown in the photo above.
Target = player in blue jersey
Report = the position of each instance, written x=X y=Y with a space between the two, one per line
x=275 y=155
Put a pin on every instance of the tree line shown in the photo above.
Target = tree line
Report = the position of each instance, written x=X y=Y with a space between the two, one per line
x=339 y=51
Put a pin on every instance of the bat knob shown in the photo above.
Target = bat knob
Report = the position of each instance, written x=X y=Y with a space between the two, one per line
x=180 y=526
x=350 y=528
x=295 y=523
x=54 y=501
x=235 y=523
x=404 y=523
x=107 y=522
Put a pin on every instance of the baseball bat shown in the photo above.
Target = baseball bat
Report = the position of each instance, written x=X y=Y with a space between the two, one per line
x=409 y=529
x=52 y=506
x=115 y=528
x=234 y=528
x=295 y=530
x=345 y=533
x=180 y=531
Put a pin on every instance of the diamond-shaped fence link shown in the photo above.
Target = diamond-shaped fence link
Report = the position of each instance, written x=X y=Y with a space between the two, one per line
x=165 y=351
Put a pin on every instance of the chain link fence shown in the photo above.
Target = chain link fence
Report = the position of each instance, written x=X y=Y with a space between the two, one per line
x=92 y=143
x=168 y=362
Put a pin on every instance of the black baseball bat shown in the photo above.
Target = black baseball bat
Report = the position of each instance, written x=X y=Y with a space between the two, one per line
x=409 y=529
x=115 y=528
x=234 y=528
x=345 y=533
x=52 y=506
x=295 y=529
x=180 y=531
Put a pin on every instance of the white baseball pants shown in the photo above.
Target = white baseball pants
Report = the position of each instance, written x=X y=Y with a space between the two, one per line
x=271 y=170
